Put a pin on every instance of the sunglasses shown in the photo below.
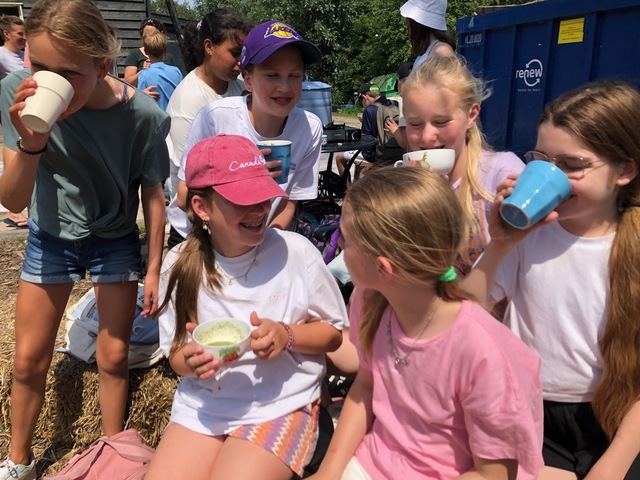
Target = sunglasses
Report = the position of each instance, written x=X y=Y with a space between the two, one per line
x=153 y=22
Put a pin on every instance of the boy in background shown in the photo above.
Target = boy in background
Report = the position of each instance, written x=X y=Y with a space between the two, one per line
x=165 y=78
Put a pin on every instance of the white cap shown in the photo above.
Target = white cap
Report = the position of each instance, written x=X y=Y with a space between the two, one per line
x=430 y=13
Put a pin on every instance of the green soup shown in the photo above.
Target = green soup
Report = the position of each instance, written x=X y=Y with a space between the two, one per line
x=222 y=334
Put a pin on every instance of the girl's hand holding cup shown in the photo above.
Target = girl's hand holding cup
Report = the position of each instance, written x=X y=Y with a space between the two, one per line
x=39 y=102
x=203 y=365
x=502 y=233
x=278 y=159
x=272 y=165
x=267 y=338
x=30 y=140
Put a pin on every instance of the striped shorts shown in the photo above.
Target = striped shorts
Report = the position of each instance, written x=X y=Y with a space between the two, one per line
x=292 y=438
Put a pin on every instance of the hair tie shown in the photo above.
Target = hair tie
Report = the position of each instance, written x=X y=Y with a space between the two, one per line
x=448 y=276
x=199 y=25
x=628 y=206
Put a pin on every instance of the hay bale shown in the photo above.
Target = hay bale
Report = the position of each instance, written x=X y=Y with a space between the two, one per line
x=70 y=420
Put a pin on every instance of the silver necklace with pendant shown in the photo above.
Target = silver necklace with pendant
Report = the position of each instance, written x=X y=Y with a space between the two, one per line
x=404 y=360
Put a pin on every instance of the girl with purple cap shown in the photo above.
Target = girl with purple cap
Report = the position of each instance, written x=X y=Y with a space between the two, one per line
x=263 y=406
x=272 y=62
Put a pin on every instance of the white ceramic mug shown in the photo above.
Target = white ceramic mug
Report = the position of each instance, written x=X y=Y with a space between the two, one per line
x=439 y=159
x=53 y=96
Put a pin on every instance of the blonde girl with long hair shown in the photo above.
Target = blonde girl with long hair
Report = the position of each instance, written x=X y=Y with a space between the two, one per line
x=573 y=284
x=443 y=390
x=442 y=101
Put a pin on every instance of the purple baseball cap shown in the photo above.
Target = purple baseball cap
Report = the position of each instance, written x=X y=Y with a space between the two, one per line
x=264 y=39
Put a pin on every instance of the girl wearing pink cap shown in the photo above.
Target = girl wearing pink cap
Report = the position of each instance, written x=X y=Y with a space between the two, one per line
x=263 y=406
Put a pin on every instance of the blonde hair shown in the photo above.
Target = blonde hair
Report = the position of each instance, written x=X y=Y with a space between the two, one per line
x=185 y=278
x=154 y=43
x=452 y=73
x=411 y=217
x=76 y=23
x=604 y=116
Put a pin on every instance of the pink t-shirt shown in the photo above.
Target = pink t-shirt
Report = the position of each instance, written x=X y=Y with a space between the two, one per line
x=493 y=168
x=474 y=389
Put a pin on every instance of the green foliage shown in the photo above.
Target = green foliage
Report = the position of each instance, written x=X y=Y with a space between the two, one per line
x=182 y=7
x=360 y=39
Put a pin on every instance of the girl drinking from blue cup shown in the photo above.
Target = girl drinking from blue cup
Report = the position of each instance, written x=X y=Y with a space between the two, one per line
x=573 y=284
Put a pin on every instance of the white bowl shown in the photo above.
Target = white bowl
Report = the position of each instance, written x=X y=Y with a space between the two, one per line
x=226 y=338
x=440 y=159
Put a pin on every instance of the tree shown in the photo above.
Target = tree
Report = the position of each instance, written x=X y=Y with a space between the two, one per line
x=182 y=7
x=360 y=39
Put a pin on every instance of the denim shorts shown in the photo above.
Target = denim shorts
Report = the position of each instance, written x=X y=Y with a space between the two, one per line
x=50 y=260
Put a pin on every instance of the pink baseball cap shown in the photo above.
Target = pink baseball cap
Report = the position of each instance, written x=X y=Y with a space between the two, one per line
x=234 y=167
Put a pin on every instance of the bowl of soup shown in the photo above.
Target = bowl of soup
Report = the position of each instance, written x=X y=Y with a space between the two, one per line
x=225 y=338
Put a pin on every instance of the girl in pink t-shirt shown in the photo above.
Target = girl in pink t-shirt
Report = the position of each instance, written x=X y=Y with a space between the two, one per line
x=443 y=390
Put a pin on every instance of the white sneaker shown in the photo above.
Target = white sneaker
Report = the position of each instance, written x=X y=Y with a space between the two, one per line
x=11 y=471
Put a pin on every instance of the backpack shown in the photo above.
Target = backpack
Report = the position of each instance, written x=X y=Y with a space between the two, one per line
x=124 y=456
x=388 y=149
x=319 y=221
x=82 y=332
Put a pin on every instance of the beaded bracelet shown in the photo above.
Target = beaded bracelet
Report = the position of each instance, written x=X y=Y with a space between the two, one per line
x=289 y=344
x=29 y=152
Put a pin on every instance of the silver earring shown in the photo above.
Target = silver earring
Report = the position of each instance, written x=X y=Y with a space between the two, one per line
x=205 y=226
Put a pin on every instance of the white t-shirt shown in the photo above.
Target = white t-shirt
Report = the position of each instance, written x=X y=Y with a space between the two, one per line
x=289 y=283
x=230 y=115
x=558 y=287
x=188 y=98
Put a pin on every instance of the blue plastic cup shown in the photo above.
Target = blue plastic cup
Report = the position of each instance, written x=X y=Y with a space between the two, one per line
x=280 y=150
x=539 y=189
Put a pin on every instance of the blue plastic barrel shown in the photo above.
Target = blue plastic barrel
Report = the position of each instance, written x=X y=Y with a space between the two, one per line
x=316 y=98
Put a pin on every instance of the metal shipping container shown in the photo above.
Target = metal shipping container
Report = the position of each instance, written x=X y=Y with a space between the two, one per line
x=532 y=53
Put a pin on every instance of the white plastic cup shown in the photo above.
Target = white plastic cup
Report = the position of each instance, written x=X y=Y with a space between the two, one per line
x=440 y=159
x=53 y=96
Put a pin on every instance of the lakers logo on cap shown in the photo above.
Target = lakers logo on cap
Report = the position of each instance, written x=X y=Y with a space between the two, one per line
x=281 y=30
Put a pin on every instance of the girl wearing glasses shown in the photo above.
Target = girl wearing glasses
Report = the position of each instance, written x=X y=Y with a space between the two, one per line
x=573 y=284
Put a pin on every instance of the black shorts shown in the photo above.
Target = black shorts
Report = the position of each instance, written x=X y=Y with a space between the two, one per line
x=574 y=440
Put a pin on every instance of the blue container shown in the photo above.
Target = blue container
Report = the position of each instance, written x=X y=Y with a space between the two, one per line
x=532 y=53
x=316 y=98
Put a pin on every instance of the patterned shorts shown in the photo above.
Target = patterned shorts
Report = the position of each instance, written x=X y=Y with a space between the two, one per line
x=292 y=438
